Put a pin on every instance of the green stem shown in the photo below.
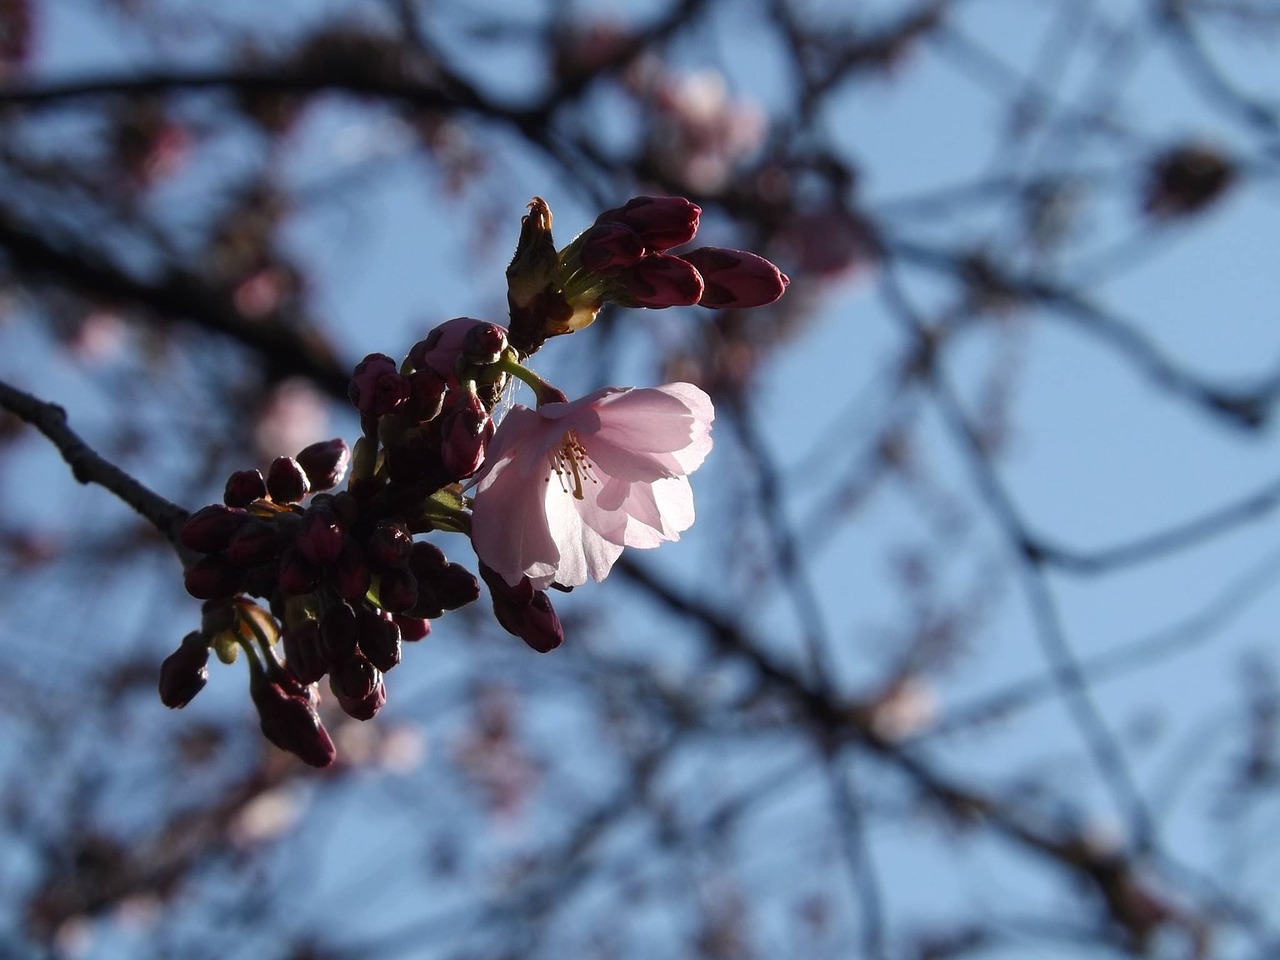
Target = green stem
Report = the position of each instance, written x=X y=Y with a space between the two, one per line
x=544 y=391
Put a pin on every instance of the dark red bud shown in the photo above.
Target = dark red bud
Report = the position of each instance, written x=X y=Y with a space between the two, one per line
x=339 y=632
x=325 y=463
x=389 y=545
x=210 y=528
x=444 y=346
x=367 y=708
x=658 y=281
x=524 y=612
x=660 y=222
x=353 y=678
x=286 y=481
x=213 y=578
x=736 y=278
x=455 y=586
x=412 y=629
x=320 y=539
x=426 y=557
x=290 y=721
x=347 y=508
x=465 y=433
x=427 y=606
x=261 y=581
x=397 y=590
x=379 y=638
x=184 y=672
x=244 y=487
x=376 y=386
x=257 y=542
x=483 y=344
x=350 y=575
x=607 y=247
x=296 y=574
x=303 y=655
x=426 y=396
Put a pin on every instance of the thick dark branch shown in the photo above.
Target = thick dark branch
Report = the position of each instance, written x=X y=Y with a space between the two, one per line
x=447 y=93
x=87 y=466
x=287 y=349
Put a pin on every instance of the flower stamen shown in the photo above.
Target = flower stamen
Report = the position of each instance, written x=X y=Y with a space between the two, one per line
x=571 y=464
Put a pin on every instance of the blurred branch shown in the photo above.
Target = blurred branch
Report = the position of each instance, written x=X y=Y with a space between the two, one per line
x=1063 y=663
x=286 y=349
x=87 y=466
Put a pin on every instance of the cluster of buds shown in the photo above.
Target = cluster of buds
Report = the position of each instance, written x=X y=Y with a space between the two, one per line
x=625 y=258
x=344 y=585
x=341 y=579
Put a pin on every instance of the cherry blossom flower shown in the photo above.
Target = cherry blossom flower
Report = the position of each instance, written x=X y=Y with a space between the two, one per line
x=565 y=487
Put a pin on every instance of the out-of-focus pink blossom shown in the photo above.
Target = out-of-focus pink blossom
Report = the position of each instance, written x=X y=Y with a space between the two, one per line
x=565 y=487
x=293 y=416
x=700 y=133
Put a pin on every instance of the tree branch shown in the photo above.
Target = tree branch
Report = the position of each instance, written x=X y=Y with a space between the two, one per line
x=87 y=466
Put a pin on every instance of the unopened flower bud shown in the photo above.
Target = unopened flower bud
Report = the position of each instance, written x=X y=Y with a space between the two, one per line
x=339 y=633
x=483 y=344
x=608 y=247
x=347 y=508
x=261 y=580
x=257 y=542
x=353 y=678
x=210 y=528
x=213 y=578
x=350 y=575
x=660 y=222
x=426 y=396
x=426 y=558
x=465 y=433
x=657 y=281
x=389 y=545
x=427 y=606
x=367 y=708
x=185 y=671
x=524 y=612
x=397 y=590
x=460 y=341
x=455 y=586
x=412 y=629
x=286 y=480
x=325 y=463
x=320 y=539
x=290 y=721
x=244 y=487
x=379 y=638
x=427 y=562
x=533 y=267
x=303 y=655
x=297 y=575
x=376 y=387
x=735 y=278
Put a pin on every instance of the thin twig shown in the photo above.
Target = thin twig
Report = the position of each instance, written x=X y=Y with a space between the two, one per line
x=87 y=466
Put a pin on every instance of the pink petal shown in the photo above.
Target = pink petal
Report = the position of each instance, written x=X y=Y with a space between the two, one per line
x=509 y=525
